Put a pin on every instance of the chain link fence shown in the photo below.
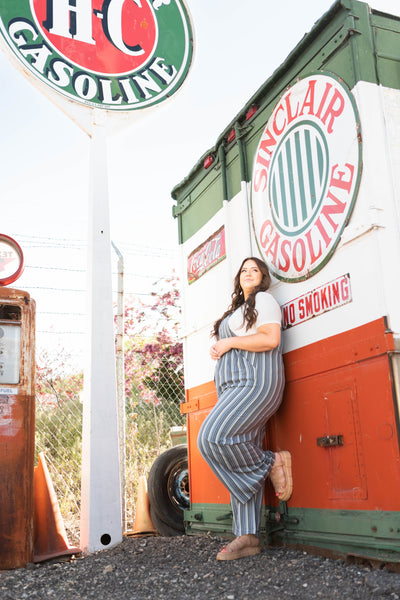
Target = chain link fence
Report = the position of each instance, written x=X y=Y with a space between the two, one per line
x=154 y=389
x=59 y=433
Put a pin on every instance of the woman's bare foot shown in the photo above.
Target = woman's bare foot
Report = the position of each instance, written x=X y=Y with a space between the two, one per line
x=243 y=545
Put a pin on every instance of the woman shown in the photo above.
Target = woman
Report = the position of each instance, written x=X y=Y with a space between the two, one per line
x=249 y=379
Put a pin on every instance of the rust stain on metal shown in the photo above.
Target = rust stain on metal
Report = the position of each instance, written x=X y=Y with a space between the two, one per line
x=17 y=427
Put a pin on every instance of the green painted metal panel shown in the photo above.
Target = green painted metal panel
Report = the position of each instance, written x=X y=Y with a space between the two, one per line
x=203 y=518
x=372 y=534
x=203 y=207
x=233 y=173
x=386 y=34
x=201 y=198
x=361 y=45
x=350 y=41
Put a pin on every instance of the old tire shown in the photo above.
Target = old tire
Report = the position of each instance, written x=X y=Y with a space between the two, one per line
x=168 y=489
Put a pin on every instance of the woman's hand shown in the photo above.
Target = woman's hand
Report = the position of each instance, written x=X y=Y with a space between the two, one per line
x=220 y=347
x=267 y=338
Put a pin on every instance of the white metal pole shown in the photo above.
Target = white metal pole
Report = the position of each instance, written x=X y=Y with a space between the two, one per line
x=121 y=379
x=101 y=515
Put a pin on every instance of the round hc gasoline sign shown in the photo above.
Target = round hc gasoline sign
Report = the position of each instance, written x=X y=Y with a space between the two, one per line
x=305 y=176
x=112 y=54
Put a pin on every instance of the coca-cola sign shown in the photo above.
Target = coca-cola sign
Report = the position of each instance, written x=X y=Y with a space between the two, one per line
x=207 y=255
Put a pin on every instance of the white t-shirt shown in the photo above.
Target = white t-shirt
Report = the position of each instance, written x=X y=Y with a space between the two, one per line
x=268 y=310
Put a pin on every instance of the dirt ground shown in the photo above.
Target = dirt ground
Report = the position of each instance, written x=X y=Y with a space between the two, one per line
x=184 y=568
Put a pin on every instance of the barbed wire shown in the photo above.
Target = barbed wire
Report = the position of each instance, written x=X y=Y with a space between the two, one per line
x=31 y=241
x=39 y=281
x=53 y=289
x=52 y=323
x=70 y=270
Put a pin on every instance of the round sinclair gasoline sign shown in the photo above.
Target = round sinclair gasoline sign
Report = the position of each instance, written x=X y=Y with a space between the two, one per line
x=305 y=177
x=111 y=54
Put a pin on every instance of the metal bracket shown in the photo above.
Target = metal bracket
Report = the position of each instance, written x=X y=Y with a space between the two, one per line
x=224 y=517
x=330 y=440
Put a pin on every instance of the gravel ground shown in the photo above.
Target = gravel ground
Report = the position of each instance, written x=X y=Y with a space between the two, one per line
x=184 y=568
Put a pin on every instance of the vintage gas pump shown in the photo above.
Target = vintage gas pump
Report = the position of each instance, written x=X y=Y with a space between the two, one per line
x=17 y=411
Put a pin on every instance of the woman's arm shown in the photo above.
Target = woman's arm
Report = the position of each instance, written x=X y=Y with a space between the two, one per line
x=267 y=338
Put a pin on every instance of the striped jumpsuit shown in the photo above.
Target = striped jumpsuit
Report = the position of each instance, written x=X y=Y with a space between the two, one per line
x=249 y=389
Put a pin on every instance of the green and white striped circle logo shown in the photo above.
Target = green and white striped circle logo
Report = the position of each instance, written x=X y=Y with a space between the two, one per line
x=299 y=175
x=305 y=176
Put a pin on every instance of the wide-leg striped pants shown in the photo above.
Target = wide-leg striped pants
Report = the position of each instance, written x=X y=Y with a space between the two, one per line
x=249 y=388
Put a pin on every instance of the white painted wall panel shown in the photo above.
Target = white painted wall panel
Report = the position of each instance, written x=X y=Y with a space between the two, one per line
x=369 y=249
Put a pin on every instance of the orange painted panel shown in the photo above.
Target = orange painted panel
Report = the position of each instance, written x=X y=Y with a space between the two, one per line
x=202 y=396
x=355 y=402
x=341 y=386
x=360 y=343
x=347 y=477
x=205 y=487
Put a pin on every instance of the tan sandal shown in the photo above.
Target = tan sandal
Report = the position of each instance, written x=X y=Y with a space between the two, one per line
x=285 y=492
x=245 y=549
x=224 y=554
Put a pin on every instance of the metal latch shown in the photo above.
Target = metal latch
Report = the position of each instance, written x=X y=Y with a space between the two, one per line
x=330 y=440
x=224 y=516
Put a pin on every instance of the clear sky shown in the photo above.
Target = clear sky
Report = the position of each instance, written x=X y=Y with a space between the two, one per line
x=44 y=156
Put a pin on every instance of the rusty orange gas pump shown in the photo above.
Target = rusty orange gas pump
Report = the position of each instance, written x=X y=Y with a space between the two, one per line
x=17 y=412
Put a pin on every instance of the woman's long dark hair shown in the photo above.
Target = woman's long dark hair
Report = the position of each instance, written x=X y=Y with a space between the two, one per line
x=250 y=312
